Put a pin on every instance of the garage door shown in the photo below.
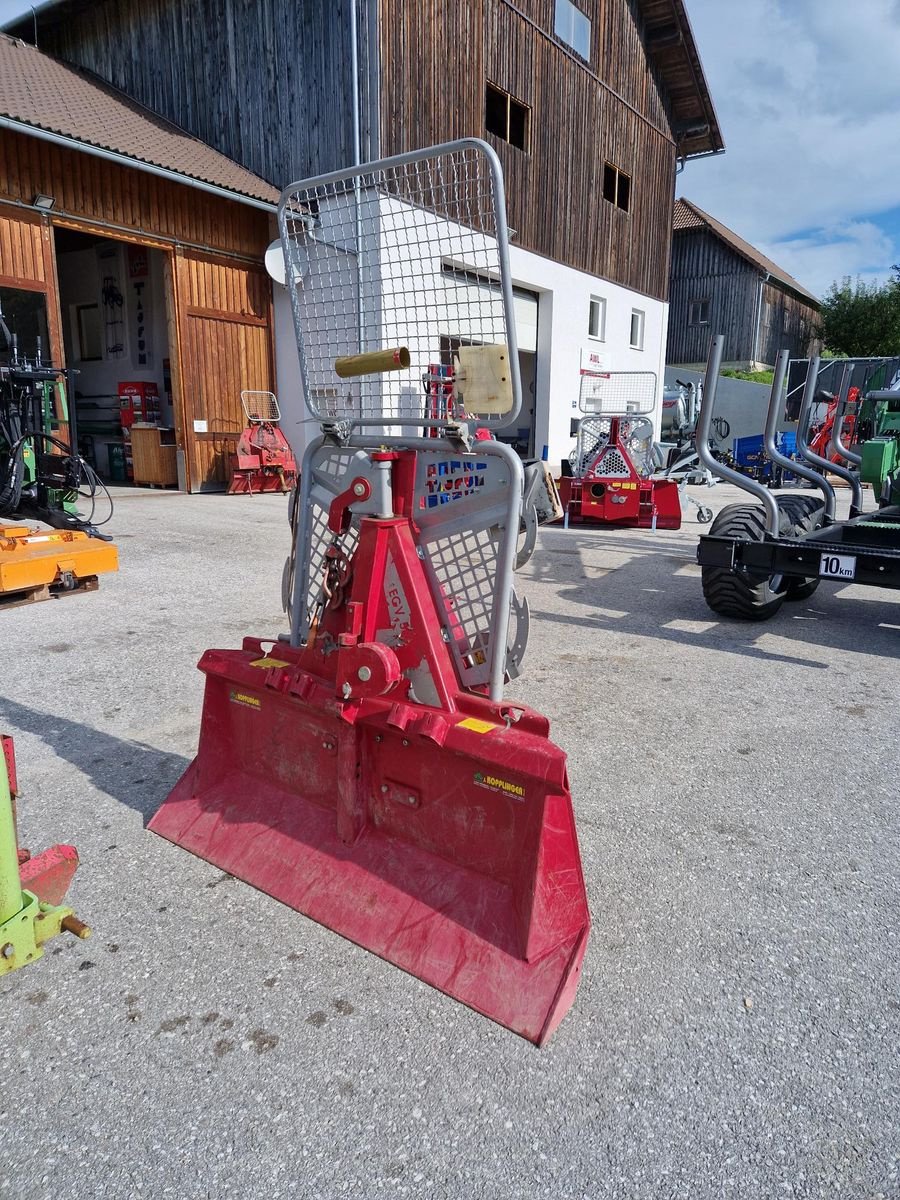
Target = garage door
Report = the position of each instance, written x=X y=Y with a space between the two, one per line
x=226 y=347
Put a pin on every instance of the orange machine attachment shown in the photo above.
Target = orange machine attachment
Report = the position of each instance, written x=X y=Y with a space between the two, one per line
x=36 y=564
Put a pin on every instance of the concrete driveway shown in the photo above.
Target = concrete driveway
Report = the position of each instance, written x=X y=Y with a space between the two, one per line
x=736 y=788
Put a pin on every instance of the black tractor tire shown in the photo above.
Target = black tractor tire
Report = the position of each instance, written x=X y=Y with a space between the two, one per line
x=740 y=594
x=806 y=514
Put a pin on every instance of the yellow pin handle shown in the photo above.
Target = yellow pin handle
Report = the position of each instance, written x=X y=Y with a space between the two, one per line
x=374 y=362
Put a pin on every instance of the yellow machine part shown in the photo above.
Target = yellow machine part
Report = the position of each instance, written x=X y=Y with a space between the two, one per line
x=57 y=559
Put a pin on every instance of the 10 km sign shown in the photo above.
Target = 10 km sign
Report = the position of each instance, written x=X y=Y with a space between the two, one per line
x=838 y=566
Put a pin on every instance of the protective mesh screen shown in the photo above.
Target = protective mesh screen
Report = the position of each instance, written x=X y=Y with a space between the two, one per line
x=261 y=406
x=617 y=393
x=402 y=255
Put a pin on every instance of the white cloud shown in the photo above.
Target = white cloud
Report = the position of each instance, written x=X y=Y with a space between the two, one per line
x=808 y=97
x=855 y=248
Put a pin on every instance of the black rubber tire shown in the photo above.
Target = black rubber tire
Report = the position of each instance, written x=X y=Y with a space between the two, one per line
x=737 y=593
x=806 y=514
x=704 y=515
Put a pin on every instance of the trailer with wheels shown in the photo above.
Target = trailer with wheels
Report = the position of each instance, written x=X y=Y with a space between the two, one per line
x=779 y=548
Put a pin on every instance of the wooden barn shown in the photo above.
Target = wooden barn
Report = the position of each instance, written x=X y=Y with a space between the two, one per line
x=722 y=284
x=590 y=106
x=134 y=252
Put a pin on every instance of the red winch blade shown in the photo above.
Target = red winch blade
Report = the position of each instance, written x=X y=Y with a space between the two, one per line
x=444 y=842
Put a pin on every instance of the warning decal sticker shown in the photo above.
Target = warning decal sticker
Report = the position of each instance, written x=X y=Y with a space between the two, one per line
x=493 y=784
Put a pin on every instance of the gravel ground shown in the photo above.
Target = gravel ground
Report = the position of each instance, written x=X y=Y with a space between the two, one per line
x=736 y=1030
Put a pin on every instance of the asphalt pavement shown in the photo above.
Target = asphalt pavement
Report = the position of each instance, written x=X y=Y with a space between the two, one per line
x=735 y=1033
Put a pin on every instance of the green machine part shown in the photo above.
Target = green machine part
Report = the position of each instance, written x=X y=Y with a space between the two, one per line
x=26 y=923
x=881 y=453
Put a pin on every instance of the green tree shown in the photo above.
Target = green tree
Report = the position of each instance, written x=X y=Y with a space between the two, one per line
x=862 y=319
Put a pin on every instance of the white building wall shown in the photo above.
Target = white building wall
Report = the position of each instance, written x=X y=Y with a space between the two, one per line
x=564 y=297
x=296 y=424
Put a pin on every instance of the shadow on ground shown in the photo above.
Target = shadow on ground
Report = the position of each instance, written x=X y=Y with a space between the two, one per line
x=669 y=591
x=133 y=773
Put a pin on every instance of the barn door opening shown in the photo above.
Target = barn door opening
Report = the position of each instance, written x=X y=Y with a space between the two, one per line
x=113 y=305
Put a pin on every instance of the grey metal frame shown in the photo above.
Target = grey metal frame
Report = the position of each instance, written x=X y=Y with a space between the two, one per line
x=290 y=216
x=803 y=422
x=704 y=429
x=396 y=287
x=836 y=444
x=772 y=418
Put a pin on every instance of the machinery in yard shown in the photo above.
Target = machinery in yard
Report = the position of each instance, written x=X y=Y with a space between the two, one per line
x=42 y=480
x=821 y=437
x=263 y=460
x=610 y=478
x=32 y=888
x=779 y=548
x=366 y=770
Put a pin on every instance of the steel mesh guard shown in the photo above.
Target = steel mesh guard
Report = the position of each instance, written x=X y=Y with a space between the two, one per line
x=327 y=476
x=613 y=465
x=461 y=519
x=593 y=434
x=410 y=252
x=618 y=393
x=260 y=407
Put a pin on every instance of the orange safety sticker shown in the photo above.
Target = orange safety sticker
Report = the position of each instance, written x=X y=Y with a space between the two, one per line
x=476 y=725
x=269 y=662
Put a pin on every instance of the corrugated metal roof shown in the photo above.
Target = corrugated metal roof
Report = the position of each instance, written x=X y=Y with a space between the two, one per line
x=688 y=216
x=47 y=94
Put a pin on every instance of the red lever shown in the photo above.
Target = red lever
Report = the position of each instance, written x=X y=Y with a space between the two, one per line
x=339 y=510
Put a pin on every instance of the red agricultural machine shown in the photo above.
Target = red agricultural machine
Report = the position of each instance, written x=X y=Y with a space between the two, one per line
x=820 y=441
x=366 y=770
x=609 y=480
x=263 y=461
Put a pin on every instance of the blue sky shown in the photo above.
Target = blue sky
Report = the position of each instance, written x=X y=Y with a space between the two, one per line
x=808 y=97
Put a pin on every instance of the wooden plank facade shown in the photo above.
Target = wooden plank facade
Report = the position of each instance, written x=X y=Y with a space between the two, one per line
x=224 y=325
x=756 y=317
x=266 y=83
x=704 y=268
x=270 y=85
x=217 y=293
x=430 y=93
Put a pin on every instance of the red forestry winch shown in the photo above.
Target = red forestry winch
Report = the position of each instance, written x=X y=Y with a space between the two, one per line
x=609 y=480
x=263 y=461
x=368 y=772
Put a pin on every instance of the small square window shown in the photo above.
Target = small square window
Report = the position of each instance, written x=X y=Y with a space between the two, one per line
x=616 y=187
x=637 y=329
x=698 y=312
x=597 y=319
x=505 y=117
x=572 y=27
